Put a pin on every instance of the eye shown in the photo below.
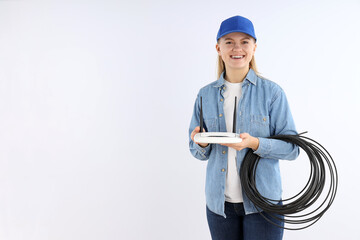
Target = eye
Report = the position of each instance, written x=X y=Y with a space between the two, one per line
x=245 y=42
x=228 y=42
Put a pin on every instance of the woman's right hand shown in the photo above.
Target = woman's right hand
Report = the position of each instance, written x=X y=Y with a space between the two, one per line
x=195 y=131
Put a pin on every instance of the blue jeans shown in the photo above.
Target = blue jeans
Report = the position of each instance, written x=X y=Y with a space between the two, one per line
x=238 y=226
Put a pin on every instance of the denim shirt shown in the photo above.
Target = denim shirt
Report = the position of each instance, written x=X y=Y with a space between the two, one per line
x=262 y=111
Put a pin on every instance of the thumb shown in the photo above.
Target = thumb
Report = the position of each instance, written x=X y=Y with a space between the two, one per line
x=243 y=135
x=197 y=129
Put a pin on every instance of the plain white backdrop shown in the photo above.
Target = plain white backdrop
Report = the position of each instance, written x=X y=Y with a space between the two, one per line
x=96 y=98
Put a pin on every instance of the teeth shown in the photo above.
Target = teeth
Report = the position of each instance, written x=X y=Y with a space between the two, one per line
x=237 y=56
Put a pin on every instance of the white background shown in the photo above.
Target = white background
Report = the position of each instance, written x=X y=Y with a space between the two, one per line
x=96 y=99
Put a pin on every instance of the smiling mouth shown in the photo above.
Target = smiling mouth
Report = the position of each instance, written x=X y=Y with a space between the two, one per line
x=238 y=57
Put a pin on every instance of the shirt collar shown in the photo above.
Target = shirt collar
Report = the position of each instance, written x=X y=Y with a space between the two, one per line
x=250 y=76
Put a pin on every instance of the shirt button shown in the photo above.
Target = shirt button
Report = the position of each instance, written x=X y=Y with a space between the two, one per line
x=223 y=170
x=223 y=152
x=264 y=119
x=220 y=115
x=224 y=88
x=221 y=100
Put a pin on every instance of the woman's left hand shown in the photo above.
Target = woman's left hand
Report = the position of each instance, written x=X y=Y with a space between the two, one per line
x=248 y=141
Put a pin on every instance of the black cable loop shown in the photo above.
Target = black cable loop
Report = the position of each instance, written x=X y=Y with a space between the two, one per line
x=320 y=161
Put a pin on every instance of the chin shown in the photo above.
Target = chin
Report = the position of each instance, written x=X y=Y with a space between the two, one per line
x=238 y=67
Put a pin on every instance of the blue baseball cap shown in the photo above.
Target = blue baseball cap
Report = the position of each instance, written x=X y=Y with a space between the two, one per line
x=236 y=24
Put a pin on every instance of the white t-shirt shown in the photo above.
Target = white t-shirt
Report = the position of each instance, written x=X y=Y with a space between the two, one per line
x=233 y=191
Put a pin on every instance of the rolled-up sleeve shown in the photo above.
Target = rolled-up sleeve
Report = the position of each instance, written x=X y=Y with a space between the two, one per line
x=281 y=123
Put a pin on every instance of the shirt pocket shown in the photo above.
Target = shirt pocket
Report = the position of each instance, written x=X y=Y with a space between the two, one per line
x=211 y=124
x=260 y=125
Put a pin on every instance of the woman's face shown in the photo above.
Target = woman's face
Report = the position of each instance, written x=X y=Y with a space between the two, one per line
x=236 y=50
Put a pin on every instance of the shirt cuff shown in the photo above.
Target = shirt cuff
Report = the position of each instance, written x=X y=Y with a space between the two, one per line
x=264 y=147
x=201 y=149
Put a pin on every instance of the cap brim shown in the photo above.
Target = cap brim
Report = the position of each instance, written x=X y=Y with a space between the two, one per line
x=247 y=33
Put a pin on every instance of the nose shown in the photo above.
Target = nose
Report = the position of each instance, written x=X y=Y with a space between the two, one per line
x=237 y=46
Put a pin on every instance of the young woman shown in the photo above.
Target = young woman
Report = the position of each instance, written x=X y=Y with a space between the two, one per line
x=262 y=111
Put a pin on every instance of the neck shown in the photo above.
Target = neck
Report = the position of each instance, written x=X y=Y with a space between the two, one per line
x=236 y=76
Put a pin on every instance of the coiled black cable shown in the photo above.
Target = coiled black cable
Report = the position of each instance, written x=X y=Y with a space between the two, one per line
x=322 y=168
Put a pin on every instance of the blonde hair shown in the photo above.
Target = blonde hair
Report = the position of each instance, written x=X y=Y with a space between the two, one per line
x=221 y=66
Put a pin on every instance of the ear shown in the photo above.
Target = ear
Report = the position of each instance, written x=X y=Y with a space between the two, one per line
x=255 y=45
x=218 y=49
